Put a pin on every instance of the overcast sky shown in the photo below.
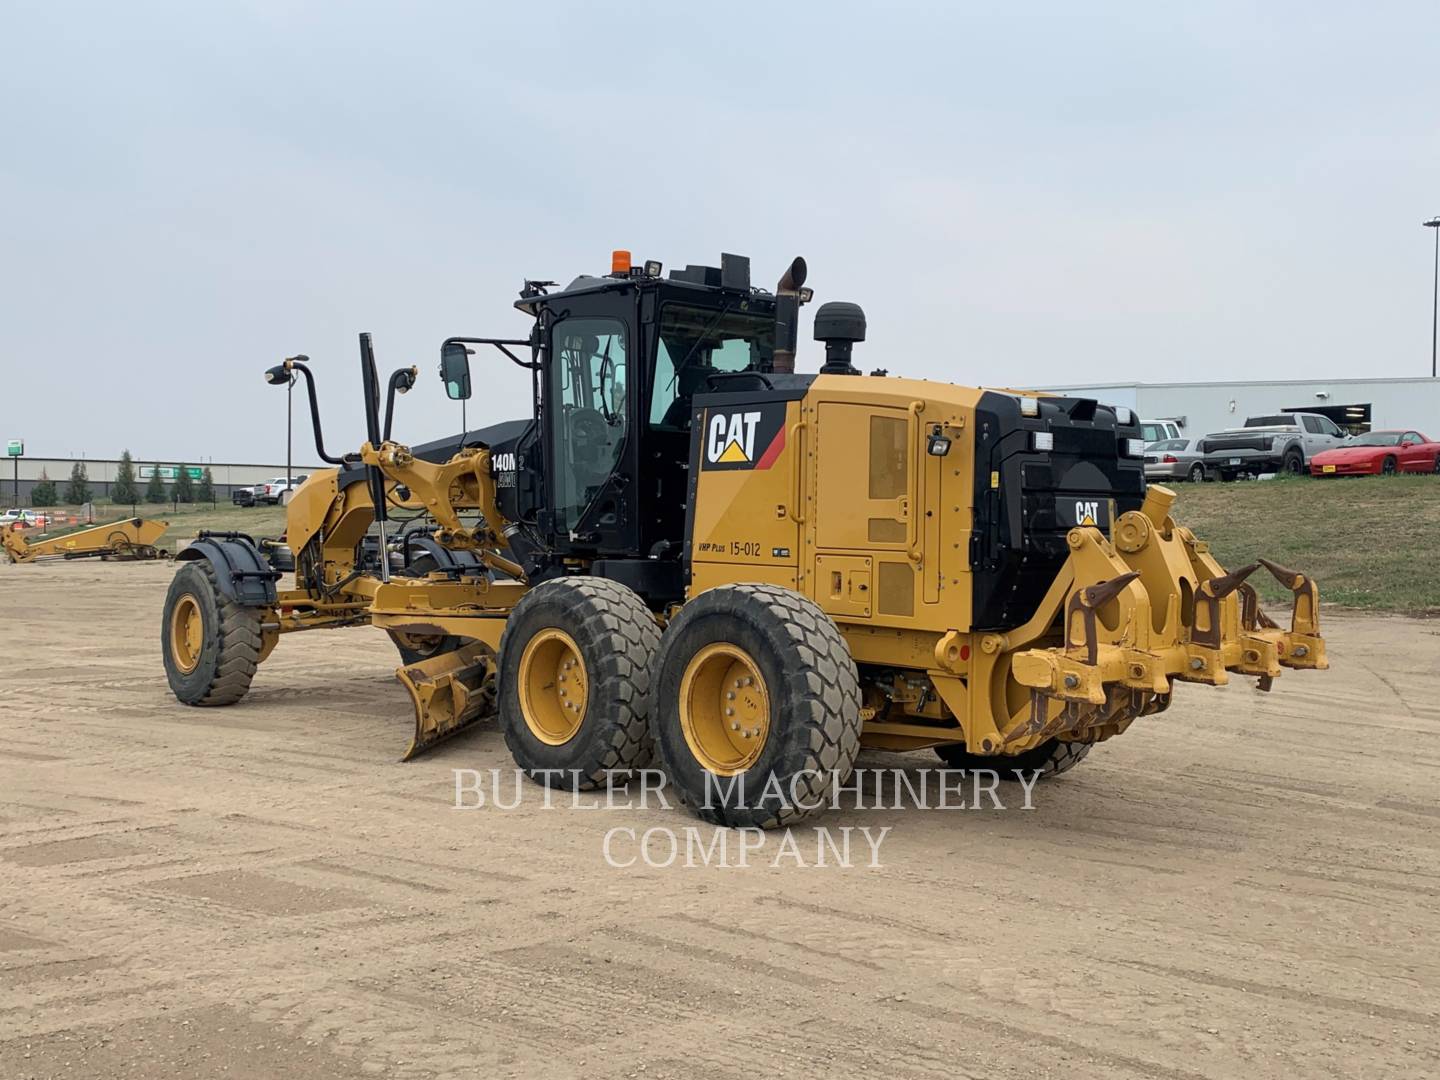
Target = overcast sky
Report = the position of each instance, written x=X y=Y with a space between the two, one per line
x=190 y=192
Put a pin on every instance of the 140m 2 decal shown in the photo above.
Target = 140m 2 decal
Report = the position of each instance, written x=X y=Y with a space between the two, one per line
x=743 y=437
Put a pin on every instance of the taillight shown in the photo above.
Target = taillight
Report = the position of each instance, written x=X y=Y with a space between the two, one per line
x=1170 y=459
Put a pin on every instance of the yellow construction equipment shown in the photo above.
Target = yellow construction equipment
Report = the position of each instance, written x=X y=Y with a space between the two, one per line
x=134 y=538
x=693 y=553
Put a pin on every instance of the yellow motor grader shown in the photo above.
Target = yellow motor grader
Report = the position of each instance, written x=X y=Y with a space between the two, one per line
x=134 y=538
x=692 y=552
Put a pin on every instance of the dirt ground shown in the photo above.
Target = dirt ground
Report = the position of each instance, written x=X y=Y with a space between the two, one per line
x=1247 y=886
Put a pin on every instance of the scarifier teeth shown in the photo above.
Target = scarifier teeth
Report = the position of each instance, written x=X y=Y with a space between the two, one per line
x=1291 y=579
x=1097 y=595
x=1221 y=587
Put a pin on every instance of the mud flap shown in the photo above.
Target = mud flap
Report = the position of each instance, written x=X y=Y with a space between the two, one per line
x=450 y=692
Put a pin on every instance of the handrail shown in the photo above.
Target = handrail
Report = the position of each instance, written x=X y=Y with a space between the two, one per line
x=296 y=365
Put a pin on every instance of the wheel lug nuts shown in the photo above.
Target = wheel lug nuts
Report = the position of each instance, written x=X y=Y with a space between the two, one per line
x=729 y=712
x=730 y=696
x=734 y=725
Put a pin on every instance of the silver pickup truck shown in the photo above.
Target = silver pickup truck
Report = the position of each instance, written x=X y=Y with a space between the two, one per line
x=1278 y=442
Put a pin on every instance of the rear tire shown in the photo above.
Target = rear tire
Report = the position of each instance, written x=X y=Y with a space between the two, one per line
x=1293 y=463
x=1197 y=473
x=1388 y=467
x=1049 y=758
x=755 y=708
x=211 y=645
x=599 y=637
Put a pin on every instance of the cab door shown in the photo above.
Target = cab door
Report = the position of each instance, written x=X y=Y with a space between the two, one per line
x=589 y=456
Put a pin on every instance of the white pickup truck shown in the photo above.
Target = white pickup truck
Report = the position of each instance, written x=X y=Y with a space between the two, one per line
x=1155 y=430
x=276 y=491
x=1273 y=443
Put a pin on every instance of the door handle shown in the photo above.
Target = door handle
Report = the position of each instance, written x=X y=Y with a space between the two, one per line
x=797 y=475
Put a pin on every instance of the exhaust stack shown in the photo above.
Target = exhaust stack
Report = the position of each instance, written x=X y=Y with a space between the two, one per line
x=787 y=317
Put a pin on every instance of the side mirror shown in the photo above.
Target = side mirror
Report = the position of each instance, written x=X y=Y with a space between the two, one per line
x=455 y=370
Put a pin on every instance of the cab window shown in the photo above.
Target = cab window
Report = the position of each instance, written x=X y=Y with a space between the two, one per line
x=697 y=342
x=588 y=382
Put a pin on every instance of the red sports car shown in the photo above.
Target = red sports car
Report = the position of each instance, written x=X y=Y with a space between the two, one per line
x=1379 y=452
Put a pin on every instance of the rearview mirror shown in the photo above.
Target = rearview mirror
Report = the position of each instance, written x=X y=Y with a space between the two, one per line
x=455 y=370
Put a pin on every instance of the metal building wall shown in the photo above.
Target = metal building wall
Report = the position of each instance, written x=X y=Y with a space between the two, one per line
x=1207 y=407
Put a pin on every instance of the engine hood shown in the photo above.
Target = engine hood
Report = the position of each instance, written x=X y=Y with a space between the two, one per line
x=1354 y=453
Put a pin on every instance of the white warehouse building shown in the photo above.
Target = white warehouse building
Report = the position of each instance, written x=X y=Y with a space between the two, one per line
x=1354 y=404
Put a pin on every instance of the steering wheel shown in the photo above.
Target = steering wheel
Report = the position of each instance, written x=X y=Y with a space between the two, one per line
x=589 y=434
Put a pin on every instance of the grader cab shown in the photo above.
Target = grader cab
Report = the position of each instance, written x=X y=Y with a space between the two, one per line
x=690 y=552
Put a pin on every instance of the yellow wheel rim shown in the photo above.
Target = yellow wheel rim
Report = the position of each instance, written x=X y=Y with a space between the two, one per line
x=187 y=633
x=724 y=709
x=554 y=688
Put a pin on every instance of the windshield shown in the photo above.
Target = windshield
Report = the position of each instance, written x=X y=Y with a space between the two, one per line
x=1377 y=438
x=697 y=342
x=1271 y=421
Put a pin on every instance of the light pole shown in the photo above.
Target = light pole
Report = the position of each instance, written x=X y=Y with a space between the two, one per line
x=1434 y=223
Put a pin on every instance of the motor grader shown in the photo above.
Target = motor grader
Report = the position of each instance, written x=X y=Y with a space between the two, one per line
x=132 y=539
x=692 y=552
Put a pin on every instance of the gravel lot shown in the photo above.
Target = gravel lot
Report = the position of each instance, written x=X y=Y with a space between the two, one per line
x=1248 y=886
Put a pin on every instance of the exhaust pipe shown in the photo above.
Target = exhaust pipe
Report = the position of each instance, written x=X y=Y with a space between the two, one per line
x=787 y=317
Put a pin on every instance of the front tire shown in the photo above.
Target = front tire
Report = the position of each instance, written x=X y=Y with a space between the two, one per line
x=210 y=644
x=1049 y=758
x=755 y=709
x=574 y=682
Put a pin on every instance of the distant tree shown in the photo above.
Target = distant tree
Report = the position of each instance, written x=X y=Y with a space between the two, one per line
x=155 y=487
x=43 y=493
x=205 y=490
x=77 y=492
x=184 y=488
x=122 y=491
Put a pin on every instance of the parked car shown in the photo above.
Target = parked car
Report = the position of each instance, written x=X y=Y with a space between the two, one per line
x=18 y=518
x=1273 y=443
x=1174 y=459
x=1378 y=452
x=243 y=496
x=1155 y=430
x=276 y=489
